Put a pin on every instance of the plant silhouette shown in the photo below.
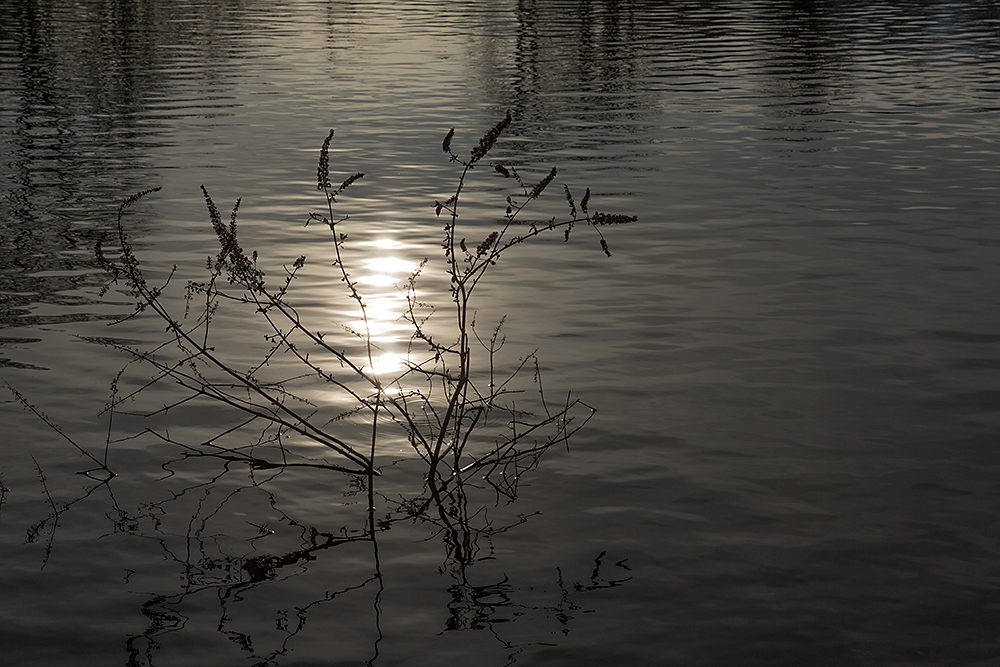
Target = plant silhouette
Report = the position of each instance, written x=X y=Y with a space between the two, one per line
x=474 y=428
x=456 y=414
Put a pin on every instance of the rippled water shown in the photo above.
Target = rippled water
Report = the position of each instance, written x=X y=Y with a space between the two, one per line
x=794 y=352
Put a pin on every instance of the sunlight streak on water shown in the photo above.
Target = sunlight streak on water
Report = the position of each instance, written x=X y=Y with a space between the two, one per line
x=389 y=363
x=387 y=271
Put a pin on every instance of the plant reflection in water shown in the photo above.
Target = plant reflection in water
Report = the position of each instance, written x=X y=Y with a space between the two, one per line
x=475 y=426
x=240 y=578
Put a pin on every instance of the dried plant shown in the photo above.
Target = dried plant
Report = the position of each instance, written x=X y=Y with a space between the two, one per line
x=440 y=401
x=462 y=416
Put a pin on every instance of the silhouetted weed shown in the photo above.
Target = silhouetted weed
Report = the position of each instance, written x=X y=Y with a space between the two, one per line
x=458 y=414
x=440 y=420
x=464 y=418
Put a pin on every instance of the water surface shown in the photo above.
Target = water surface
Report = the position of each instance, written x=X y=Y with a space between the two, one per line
x=793 y=353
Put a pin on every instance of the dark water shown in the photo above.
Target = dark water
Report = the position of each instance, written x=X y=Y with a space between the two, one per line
x=794 y=352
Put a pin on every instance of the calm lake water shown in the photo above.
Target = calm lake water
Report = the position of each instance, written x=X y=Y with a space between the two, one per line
x=794 y=353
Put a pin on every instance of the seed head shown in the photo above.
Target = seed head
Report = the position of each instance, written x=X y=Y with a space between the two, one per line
x=323 y=170
x=612 y=219
x=542 y=184
x=485 y=246
x=490 y=138
x=569 y=200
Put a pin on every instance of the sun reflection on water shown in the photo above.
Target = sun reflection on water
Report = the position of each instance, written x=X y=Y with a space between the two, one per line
x=386 y=364
x=386 y=271
x=386 y=326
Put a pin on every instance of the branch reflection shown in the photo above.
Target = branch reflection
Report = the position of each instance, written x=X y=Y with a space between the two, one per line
x=228 y=571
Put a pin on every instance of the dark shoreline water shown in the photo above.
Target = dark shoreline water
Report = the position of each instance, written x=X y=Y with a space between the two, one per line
x=793 y=353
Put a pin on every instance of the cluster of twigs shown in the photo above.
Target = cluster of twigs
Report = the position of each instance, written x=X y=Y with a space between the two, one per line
x=438 y=400
x=463 y=417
